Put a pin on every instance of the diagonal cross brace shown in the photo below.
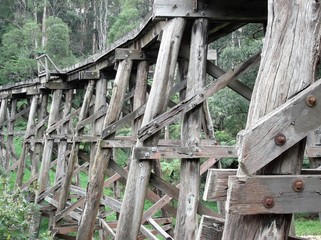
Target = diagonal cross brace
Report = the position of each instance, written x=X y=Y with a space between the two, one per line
x=190 y=103
x=259 y=144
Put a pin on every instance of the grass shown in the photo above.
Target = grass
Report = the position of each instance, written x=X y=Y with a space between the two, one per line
x=305 y=227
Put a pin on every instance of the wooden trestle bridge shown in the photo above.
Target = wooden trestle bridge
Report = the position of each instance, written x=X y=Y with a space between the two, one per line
x=74 y=116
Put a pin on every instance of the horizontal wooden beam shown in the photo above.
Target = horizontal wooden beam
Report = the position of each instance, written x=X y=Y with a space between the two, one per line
x=279 y=130
x=127 y=53
x=239 y=10
x=274 y=194
x=216 y=184
x=215 y=151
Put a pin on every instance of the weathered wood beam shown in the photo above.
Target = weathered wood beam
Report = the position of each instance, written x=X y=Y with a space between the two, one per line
x=279 y=130
x=102 y=157
x=241 y=10
x=166 y=199
x=216 y=72
x=274 y=194
x=73 y=157
x=48 y=146
x=210 y=228
x=26 y=147
x=133 y=204
x=158 y=152
x=217 y=182
x=127 y=53
x=166 y=118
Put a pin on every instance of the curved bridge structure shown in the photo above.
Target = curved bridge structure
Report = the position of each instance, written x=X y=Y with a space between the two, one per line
x=75 y=117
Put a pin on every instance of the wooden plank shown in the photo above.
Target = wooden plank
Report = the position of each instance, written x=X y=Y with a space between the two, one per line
x=159 y=152
x=216 y=184
x=89 y=75
x=210 y=228
x=293 y=119
x=251 y=11
x=127 y=53
x=274 y=194
x=168 y=117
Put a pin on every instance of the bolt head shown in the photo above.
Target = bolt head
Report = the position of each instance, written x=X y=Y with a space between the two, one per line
x=298 y=185
x=280 y=139
x=268 y=201
x=311 y=101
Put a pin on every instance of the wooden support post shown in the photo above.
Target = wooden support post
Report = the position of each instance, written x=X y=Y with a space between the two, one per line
x=3 y=115
x=139 y=173
x=73 y=157
x=100 y=102
x=63 y=130
x=140 y=92
x=37 y=154
x=26 y=146
x=101 y=160
x=43 y=180
x=11 y=120
x=186 y=220
x=289 y=59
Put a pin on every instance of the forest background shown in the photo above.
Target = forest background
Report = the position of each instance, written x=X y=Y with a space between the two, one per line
x=69 y=31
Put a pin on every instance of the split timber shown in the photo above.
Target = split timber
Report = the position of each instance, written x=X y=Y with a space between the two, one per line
x=75 y=117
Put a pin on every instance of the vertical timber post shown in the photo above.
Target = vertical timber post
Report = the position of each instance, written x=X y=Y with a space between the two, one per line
x=62 y=147
x=101 y=160
x=140 y=170
x=3 y=115
x=43 y=179
x=26 y=146
x=73 y=157
x=11 y=121
x=186 y=219
x=290 y=57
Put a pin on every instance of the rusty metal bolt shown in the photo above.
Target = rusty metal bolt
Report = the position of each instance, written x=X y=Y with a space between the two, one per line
x=298 y=185
x=280 y=139
x=268 y=202
x=311 y=101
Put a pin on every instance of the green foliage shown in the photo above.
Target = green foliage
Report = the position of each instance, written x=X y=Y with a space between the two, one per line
x=228 y=109
x=126 y=21
x=17 y=53
x=15 y=211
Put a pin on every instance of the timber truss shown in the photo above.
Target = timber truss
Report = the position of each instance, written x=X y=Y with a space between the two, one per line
x=70 y=152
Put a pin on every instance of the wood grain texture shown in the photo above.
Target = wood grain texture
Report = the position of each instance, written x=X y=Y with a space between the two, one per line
x=247 y=194
x=186 y=219
x=102 y=157
x=210 y=228
x=289 y=58
x=194 y=100
x=199 y=151
x=136 y=187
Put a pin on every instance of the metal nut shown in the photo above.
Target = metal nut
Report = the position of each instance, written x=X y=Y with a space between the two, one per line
x=280 y=139
x=268 y=202
x=298 y=185
x=311 y=101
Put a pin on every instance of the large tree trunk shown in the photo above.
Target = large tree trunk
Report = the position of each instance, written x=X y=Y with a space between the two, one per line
x=289 y=59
